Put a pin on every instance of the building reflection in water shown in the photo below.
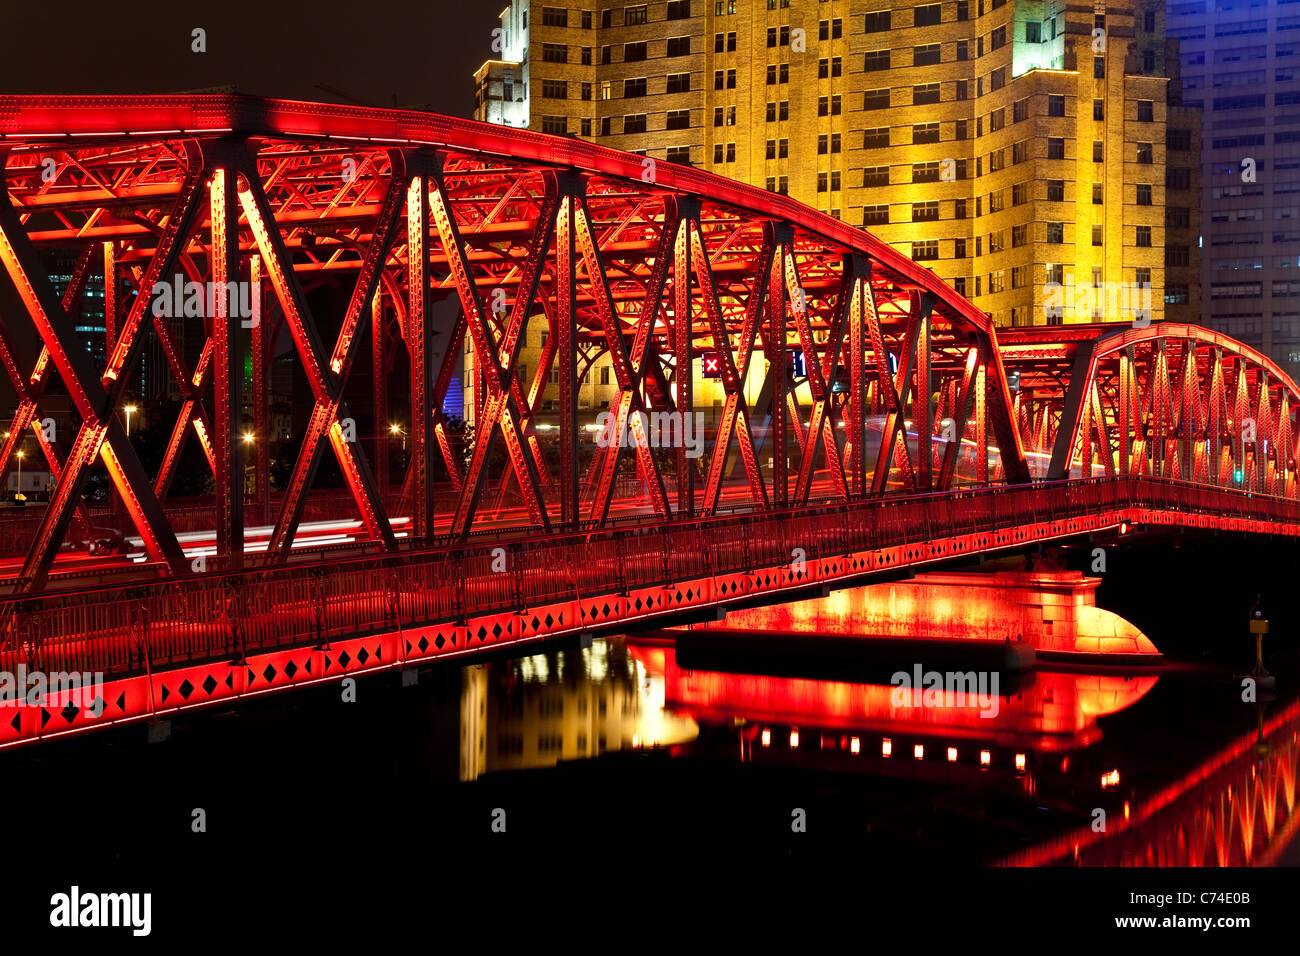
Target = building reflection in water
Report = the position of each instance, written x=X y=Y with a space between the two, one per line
x=1043 y=748
x=535 y=711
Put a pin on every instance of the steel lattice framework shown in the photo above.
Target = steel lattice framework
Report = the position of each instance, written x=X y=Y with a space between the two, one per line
x=867 y=417
x=1168 y=400
x=649 y=263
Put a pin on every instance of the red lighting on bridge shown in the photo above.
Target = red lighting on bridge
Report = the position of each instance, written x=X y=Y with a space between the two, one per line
x=864 y=416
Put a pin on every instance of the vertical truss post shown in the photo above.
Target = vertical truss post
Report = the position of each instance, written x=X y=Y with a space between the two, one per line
x=110 y=338
x=567 y=358
x=982 y=420
x=228 y=381
x=683 y=333
x=261 y=394
x=419 y=343
x=379 y=394
x=921 y=307
x=781 y=236
x=110 y=296
x=1125 y=409
x=859 y=270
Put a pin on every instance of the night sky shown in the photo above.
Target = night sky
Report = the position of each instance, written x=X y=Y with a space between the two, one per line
x=421 y=53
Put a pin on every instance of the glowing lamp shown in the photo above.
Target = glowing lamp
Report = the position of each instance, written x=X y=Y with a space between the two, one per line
x=1020 y=761
x=794 y=739
x=952 y=754
x=918 y=751
x=855 y=745
x=986 y=758
x=766 y=738
x=886 y=747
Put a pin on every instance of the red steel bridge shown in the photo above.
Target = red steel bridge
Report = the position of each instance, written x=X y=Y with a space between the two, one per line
x=863 y=418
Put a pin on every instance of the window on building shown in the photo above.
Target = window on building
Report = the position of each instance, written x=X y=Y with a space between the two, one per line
x=1097 y=236
x=679 y=9
x=680 y=155
x=1056 y=232
x=555 y=53
x=679 y=46
x=1055 y=147
x=1144 y=194
x=876 y=100
x=634 y=87
x=925 y=211
x=925 y=172
x=1099 y=67
x=1056 y=190
x=925 y=250
x=875 y=176
x=875 y=138
x=678 y=119
x=634 y=16
x=875 y=215
x=926 y=16
x=1146 y=111
x=925 y=93
x=925 y=55
x=877 y=22
x=634 y=123
x=634 y=52
x=1144 y=153
x=1143 y=237
x=555 y=16
x=679 y=83
x=876 y=60
x=1055 y=104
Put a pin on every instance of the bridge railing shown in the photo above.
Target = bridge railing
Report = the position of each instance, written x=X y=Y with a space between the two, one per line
x=125 y=628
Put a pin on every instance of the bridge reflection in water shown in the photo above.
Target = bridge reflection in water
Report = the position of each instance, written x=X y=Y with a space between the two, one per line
x=1232 y=803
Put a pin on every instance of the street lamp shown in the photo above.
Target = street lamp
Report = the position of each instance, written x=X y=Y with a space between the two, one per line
x=21 y=453
x=397 y=430
x=130 y=409
x=248 y=438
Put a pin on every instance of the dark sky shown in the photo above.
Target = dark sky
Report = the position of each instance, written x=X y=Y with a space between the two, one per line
x=423 y=52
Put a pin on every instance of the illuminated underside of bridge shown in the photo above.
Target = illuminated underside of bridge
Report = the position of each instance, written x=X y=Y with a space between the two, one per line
x=882 y=431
